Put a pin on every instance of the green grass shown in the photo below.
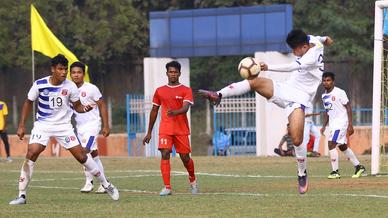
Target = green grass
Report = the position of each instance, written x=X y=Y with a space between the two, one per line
x=230 y=187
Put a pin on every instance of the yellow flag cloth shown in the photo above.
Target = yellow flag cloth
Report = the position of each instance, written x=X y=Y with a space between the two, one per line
x=45 y=42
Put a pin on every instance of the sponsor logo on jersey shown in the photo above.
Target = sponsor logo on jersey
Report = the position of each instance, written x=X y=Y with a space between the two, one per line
x=67 y=139
x=64 y=92
x=45 y=92
x=83 y=94
x=178 y=97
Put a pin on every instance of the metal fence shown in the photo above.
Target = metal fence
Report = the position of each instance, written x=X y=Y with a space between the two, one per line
x=234 y=123
x=138 y=110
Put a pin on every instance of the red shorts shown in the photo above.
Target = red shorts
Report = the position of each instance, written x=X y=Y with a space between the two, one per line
x=181 y=143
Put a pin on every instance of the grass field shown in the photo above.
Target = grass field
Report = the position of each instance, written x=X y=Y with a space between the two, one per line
x=230 y=187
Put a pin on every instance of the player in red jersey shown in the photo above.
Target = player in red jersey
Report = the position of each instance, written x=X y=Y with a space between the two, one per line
x=175 y=99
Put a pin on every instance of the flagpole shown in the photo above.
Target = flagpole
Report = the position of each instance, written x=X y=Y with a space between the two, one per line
x=33 y=80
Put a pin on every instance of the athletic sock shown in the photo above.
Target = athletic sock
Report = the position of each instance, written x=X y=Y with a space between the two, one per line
x=165 y=168
x=350 y=155
x=25 y=176
x=300 y=154
x=190 y=169
x=334 y=159
x=92 y=167
x=234 y=89
x=88 y=176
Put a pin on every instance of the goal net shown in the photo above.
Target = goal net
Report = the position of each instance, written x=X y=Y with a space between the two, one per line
x=379 y=163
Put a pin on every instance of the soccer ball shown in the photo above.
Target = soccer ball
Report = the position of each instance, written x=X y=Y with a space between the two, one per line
x=248 y=68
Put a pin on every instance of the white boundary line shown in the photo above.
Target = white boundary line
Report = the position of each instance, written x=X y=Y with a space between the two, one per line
x=232 y=193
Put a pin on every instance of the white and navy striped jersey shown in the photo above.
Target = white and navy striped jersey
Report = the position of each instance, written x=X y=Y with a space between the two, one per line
x=334 y=102
x=53 y=103
x=89 y=94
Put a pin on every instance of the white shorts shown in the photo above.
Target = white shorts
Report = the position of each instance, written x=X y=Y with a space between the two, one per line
x=338 y=136
x=89 y=139
x=288 y=97
x=66 y=138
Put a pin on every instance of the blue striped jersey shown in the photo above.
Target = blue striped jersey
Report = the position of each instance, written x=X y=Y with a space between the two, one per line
x=53 y=101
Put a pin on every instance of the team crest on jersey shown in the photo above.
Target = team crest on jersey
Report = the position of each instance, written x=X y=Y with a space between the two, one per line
x=67 y=139
x=72 y=138
x=64 y=92
x=333 y=98
x=45 y=92
x=83 y=94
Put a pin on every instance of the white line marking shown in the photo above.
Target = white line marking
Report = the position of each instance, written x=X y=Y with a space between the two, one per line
x=229 y=193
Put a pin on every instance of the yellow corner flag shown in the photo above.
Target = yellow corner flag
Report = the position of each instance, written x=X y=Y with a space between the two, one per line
x=45 y=42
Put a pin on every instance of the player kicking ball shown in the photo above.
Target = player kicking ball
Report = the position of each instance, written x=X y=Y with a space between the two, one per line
x=54 y=94
x=89 y=124
x=339 y=116
x=294 y=94
x=175 y=100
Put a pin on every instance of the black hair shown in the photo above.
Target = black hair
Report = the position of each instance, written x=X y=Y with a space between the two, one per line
x=78 y=64
x=296 y=37
x=329 y=74
x=59 y=59
x=174 y=64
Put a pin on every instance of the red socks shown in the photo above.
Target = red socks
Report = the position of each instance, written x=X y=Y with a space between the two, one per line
x=165 y=168
x=190 y=170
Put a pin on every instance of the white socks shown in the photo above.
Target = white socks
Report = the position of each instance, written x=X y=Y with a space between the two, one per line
x=25 y=176
x=92 y=167
x=350 y=155
x=334 y=158
x=300 y=154
x=234 y=89
x=88 y=175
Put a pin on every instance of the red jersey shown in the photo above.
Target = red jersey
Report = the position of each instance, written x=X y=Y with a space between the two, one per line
x=172 y=98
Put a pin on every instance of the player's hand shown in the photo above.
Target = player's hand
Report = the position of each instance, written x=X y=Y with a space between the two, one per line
x=105 y=131
x=20 y=132
x=323 y=129
x=147 y=139
x=263 y=66
x=350 y=131
x=329 y=41
x=88 y=108
x=171 y=112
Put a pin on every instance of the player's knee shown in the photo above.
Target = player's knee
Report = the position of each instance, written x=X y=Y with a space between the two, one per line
x=297 y=141
x=343 y=147
x=81 y=158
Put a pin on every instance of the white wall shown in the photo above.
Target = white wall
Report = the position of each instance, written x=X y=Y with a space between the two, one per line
x=271 y=120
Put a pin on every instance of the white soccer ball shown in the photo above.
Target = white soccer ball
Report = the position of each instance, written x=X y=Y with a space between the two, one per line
x=248 y=68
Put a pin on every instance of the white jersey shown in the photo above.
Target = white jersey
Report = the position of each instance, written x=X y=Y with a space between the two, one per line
x=54 y=109
x=89 y=94
x=306 y=70
x=334 y=102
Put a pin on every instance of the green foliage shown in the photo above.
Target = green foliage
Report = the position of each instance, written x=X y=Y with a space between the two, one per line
x=95 y=30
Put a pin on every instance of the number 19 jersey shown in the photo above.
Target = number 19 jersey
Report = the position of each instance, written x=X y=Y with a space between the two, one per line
x=53 y=103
